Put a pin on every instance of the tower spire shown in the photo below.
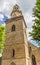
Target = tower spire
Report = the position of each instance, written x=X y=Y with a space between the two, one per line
x=16 y=11
x=16 y=7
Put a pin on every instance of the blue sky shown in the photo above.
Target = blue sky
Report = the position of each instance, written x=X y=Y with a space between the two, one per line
x=3 y=18
x=6 y=7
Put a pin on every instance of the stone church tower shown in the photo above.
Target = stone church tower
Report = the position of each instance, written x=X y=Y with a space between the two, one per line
x=17 y=51
x=16 y=46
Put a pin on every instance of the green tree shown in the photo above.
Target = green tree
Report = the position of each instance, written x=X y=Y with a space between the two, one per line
x=2 y=37
x=35 y=33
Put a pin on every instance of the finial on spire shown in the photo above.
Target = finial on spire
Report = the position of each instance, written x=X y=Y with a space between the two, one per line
x=16 y=7
x=16 y=11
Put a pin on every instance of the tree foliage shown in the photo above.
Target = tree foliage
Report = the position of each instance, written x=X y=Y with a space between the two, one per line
x=36 y=26
x=2 y=37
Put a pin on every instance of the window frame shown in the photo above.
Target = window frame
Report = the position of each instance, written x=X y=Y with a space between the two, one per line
x=13 y=53
x=33 y=60
x=13 y=28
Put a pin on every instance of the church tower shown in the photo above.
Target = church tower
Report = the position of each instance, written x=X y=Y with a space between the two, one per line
x=16 y=46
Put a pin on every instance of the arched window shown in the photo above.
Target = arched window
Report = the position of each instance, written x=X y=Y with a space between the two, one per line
x=33 y=60
x=13 y=28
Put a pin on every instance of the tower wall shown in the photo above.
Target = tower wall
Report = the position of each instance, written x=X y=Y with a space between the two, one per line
x=16 y=46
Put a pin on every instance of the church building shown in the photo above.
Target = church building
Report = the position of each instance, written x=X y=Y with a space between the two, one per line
x=17 y=50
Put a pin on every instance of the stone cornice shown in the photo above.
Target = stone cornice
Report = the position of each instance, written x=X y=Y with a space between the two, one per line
x=15 y=19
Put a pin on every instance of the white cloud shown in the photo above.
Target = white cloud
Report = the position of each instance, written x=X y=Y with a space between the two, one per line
x=0 y=55
x=1 y=17
x=6 y=6
x=26 y=5
x=28 y=18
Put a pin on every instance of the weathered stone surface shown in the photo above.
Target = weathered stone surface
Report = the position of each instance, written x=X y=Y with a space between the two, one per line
x=17 y=40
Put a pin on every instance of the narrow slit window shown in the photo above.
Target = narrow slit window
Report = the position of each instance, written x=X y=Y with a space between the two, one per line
x=33 y=60
x=13 y=28
x=13 y=53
